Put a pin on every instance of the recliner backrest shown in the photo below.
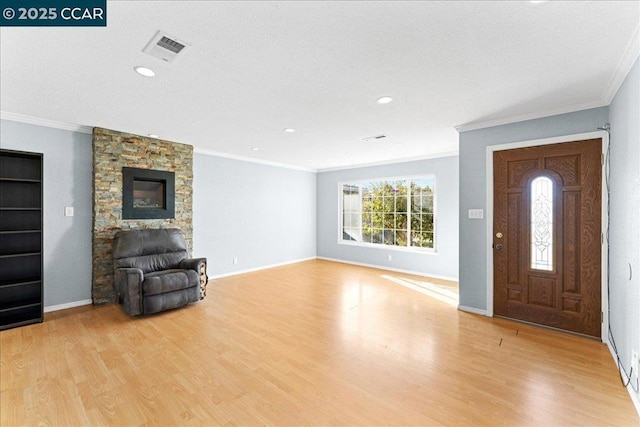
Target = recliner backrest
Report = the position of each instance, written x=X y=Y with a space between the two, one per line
x=149 y=249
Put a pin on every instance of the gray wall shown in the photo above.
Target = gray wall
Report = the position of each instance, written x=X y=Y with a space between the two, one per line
x=473 y=236
x=624 y=229
x=444 y=263
x=261 y=214
x=67 y=182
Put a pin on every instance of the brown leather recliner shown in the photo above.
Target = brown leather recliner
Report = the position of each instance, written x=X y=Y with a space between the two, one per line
x=152 y=272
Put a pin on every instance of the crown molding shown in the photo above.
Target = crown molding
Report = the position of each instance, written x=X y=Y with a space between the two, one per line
x=14 y=117
x=530 y=116
x=393 y=161
x=251 y=160
x=631 y=53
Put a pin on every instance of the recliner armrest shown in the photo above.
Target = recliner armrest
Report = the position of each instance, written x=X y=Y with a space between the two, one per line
x=200 y=267
x=129 y=289
x=192 y=264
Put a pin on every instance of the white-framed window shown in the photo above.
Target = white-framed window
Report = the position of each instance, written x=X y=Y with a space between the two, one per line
x=391 y=212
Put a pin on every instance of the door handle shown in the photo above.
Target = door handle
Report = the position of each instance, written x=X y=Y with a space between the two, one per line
x=498 y=246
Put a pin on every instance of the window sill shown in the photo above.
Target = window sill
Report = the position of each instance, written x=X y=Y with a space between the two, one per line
x=425 y=251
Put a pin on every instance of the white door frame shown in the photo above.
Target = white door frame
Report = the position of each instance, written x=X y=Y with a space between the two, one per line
x=605 y=214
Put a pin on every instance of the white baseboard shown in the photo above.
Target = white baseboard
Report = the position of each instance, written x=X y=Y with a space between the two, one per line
x=67 y=305
x=473 y=310
x=263 y=267
x=398 y=270
x=635 y=398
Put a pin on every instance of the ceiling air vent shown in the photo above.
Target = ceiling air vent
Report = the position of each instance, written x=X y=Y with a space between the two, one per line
x=165 y=47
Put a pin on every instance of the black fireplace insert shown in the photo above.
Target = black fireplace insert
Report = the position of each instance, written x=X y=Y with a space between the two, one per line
x=147 y=194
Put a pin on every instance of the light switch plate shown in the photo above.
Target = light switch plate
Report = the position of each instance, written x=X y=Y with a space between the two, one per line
x=68 y=211
x=476 y=213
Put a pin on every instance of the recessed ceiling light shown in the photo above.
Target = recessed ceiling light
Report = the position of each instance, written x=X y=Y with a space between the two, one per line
x=538 y=1
x=384 y=100
x=289 y=130
x=255 y=148
x=152 y=135
x=144 y=71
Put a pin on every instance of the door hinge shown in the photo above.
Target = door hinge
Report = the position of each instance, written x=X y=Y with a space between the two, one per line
x=602 y=158
x=601 y=317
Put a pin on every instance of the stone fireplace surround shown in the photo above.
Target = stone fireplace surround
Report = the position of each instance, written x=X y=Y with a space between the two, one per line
x=112 y=151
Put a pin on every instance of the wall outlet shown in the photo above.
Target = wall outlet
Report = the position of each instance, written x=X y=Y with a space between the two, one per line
x=68 y=211
x=476 y=213
x=235 y=260
x=635 y=365
x=388 y=257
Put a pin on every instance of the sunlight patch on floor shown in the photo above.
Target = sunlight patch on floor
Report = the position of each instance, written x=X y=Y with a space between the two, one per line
x=443 y=293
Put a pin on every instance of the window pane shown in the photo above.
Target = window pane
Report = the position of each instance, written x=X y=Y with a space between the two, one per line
x=366 y=218
x=367 y=195
x=352 y=234
x=346 y=235
x=416 y=222
x=355 y=219
x=427 y=239
x=401 y=204
x=402 y=189
x=401 y=221
x=427 y=204
x=416 y=204
x=422 y=239
x=401 y=237
x=542 y=224
x=389 y=221
x=427 y=222
x=416 y=238
x=389 y=237
x=377 y=219
x=387 y=205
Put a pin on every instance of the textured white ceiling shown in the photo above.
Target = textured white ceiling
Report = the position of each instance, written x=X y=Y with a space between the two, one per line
x=255 y=68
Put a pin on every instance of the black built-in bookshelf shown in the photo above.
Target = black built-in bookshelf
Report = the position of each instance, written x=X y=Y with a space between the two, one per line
x=21 y=269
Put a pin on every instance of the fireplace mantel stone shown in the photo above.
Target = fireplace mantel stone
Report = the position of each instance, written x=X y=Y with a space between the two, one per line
x=111 y=152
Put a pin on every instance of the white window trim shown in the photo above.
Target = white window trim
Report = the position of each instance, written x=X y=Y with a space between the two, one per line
x=413 y=249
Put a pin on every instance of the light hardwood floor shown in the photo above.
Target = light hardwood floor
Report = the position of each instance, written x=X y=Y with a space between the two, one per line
x=314 y=343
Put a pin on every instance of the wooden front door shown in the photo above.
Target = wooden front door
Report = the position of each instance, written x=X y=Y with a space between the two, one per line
x=547 y=235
